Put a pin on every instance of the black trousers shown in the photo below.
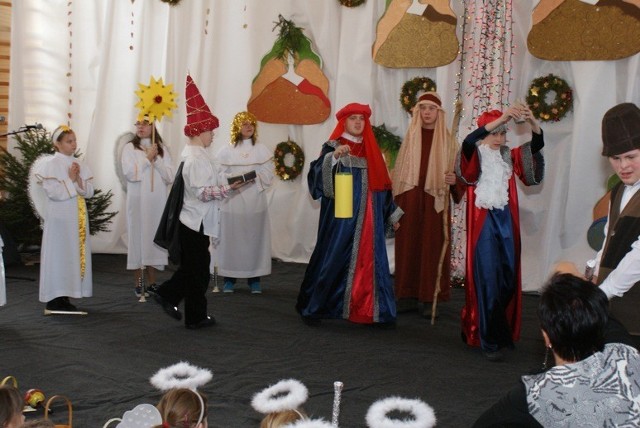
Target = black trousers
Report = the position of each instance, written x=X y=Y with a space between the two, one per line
x=191 y=281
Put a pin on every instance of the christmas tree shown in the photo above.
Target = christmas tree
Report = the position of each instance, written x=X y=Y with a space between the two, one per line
x=16 y=210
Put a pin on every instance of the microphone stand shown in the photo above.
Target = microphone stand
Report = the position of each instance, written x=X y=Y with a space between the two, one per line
x=23 y=129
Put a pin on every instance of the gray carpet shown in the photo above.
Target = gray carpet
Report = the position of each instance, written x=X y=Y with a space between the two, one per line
x=103 y=361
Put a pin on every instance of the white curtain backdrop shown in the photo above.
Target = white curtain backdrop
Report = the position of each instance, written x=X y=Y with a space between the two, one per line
x=79 y=51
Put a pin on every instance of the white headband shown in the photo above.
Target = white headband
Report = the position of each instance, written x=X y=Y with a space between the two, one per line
x=58 y=132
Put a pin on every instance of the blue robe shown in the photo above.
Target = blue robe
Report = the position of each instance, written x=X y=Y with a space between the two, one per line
x=492 y=314
x=348 y=273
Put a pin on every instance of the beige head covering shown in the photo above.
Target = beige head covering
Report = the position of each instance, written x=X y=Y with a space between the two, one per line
x=443 y=151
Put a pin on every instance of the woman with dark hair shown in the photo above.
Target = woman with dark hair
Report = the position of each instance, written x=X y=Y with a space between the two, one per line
x=594 y=381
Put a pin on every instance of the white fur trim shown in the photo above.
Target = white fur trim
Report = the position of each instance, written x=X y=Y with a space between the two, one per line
x=288 y=394
x=310 y=423
x=180 y=375
x=422 y=414
x=492 y=190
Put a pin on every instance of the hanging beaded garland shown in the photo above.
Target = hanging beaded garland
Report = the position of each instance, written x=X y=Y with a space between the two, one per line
x=539 y=92
x=70 y=68
x=410 y=89
x=287 y=169
x=132 y=26
x=206 y=21
x=486 y=57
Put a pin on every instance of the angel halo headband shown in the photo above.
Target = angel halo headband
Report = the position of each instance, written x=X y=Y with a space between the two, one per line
x=182 y=375
x=288 y=394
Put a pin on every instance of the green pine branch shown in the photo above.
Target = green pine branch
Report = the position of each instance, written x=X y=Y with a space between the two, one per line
x=16 y=210
x=388 y=143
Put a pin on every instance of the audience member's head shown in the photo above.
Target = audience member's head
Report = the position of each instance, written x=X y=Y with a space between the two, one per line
x=279 y=419
x=573 y=313
x=11 y=405
x=183 y=408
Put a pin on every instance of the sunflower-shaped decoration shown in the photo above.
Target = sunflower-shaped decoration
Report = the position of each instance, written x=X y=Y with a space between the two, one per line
x=156 y=100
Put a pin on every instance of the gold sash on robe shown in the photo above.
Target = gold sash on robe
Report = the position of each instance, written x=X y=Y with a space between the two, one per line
x=82 y=233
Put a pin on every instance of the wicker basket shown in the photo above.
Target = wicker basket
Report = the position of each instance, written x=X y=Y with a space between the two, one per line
x=10 y=378
x=110 y=421
x=69 y=408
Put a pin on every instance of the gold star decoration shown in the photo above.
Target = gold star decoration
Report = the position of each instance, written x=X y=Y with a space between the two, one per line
x=156 y=100
x=534 y=91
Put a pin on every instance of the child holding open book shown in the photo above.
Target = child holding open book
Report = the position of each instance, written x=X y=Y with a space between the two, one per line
x=244 y=250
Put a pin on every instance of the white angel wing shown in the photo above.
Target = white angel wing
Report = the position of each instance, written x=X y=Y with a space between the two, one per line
x=141 y=416
x=121 y=141
x=37 y=195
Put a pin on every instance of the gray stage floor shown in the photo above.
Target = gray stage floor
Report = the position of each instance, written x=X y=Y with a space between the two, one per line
x=103 y=361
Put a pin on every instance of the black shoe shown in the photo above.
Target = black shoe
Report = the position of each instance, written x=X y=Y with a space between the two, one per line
x=207 y=322
x=68 y=306
x=311 y=322
x=169 y=309
x=62 y=306
x=57 y=304
x=153 y=288
x=493 y=356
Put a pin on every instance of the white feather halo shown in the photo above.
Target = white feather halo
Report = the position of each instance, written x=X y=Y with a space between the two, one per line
x=423 y=415
x=288 y=394
x=180 y=375
x=309 y=423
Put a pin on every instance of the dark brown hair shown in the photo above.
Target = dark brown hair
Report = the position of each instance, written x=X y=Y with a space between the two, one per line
x=158 y=140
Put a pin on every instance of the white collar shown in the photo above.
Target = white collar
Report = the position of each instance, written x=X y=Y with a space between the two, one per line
x=352 y=138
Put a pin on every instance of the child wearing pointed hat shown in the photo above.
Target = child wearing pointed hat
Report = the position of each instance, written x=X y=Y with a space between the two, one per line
x=199 y=216
x=618 y=261
x=348 y=274
x=492 y=312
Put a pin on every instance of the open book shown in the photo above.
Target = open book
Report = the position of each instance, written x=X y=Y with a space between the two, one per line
x=247 y=176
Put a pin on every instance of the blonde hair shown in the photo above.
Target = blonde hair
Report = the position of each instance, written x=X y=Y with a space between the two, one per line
x=180 y=408
x=236 y=126
x=278 y=419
